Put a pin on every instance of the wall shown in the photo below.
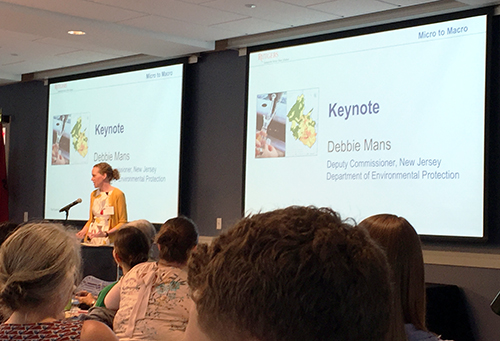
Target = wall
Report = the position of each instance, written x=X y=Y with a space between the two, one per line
x=26 y=104
x=213 y=133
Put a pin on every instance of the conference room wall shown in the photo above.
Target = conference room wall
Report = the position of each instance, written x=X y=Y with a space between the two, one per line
x=26 y=105
x=213 y=139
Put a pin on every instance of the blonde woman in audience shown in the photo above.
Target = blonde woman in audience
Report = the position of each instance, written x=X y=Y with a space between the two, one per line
x=404 y=252
x=39 y=267
x=153 y=299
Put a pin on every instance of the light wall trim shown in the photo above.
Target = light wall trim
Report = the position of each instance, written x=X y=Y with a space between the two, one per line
x=465 y=259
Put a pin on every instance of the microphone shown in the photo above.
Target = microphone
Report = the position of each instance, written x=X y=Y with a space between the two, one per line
x=68 y=206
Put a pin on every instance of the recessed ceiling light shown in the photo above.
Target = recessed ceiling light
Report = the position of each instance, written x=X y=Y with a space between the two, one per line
x=251 y=5
x=76 y=33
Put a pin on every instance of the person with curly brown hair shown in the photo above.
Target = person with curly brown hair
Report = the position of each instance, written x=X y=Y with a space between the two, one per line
x=299 y=273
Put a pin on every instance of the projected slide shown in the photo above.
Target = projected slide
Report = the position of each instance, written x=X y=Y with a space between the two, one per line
x=390 y=122
x=131 y=121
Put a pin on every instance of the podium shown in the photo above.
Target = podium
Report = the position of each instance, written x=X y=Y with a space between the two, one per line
x=98 y=261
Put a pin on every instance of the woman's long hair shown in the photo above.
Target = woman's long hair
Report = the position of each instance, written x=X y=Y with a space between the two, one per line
x=404 y=253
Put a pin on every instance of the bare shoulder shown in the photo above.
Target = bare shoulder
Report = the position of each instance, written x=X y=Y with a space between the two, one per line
x=96 y=331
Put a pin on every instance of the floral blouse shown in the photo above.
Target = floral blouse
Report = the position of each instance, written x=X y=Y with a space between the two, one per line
x=154 y=303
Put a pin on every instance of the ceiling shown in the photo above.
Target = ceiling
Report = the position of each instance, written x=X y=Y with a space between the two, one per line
x=34 y=43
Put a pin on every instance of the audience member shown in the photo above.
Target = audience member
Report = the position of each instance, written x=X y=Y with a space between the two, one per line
x=131 y=247
x=149 y=230
x=154 y=299
x=39 y=267
x=404 y=252
x=129 y=250
x=6 y=228
x=299 y=273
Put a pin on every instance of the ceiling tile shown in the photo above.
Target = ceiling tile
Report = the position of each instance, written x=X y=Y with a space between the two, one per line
x=180 y=28
x=479 y=2
x=348 y=8
x=7 y=37
x=75 y=45
x=84 y=56
x=80 y=8
x=30 y=49
x=304 y=3
x=274 y=11
x=196 y=1
x=407 y=2
x=251 y=26
x=179 y=10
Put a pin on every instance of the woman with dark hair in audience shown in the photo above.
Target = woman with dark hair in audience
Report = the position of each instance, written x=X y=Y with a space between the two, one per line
x=39 y=267
x=404 y=252
x=154 y=299
x=131 y=247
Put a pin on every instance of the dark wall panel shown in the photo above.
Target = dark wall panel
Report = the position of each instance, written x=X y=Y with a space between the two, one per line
x=213 y=134
x=26 y=104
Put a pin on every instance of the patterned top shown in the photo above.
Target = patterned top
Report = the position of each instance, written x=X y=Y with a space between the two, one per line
x=154 y=303
x=101 y=219
x=63 y=330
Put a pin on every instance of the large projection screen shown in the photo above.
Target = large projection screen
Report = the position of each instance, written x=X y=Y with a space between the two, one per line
x=132 y=121
x=387 y=122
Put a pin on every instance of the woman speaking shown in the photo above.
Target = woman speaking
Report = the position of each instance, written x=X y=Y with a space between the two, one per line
x=108 y=209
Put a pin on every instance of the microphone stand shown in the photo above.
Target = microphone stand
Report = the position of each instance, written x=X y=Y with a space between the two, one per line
x=67 y=213
x=495 y=304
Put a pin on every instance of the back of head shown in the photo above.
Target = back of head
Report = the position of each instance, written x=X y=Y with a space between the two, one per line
x=132 y=245
x=177 y=237
x=145 y=226
x=299 y=273
x=39 y=263
x=404 y=253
